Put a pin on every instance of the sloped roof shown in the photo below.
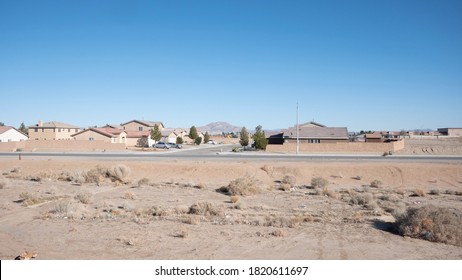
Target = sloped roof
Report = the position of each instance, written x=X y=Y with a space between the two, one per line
x=137 y=134
x=4 y=129
x=375 y=135
x=146 y=123
x=55 y=125
x=167 y=131
x=318 y=133
x=106 y=131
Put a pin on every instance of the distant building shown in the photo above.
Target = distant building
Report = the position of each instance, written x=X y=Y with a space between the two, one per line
x=451 y=132
x=52 y=131
x=139 y=132
x=310 y=132
x=375 y=137
x=106 y=134
x=11 y=134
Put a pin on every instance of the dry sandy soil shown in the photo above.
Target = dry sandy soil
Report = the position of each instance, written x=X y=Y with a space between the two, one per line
x=176 y=212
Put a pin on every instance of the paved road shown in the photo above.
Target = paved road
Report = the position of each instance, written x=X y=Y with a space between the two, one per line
x=223 y=152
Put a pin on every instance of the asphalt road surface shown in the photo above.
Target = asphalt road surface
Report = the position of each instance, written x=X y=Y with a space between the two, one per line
x=223 y=153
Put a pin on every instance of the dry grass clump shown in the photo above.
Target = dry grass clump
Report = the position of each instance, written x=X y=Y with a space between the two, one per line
x=431 y=223
x=285 y=187
x=289 y=180
x=61 y=208
x=243 y=186
x=84 y=198
x=365 y=199
x=205 y=209
x=419 y=192
x=319 y=182
x=143 y=182
x=434 y=192
x=183 y=233
x=191 y=220
x=235 y=198
x=129 y=195
x=28 y=199
x=2 y=184
x=279 y=233
x=119 y=173
x=284 y=222
x=376 y=184
x=329 y=193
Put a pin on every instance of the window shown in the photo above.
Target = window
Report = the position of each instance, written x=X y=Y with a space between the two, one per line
x=76 y=130
x=314 y=141
x=91 y=139
x=59 y=130
x=35 y=129
x=43 y=129
x=140 y=128
x=69 y=130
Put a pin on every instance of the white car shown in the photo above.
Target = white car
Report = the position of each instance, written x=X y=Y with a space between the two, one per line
x=213 y=142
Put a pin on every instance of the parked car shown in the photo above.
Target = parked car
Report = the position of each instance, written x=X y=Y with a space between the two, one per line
x=213 y=142
x=174 y=145
x=161 y=145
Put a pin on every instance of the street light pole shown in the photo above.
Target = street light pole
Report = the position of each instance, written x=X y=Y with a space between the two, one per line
x=298 y=144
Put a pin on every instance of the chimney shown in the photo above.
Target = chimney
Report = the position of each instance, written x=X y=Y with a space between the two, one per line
x=40 y=123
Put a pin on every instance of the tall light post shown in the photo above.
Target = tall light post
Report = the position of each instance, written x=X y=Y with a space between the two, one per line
x=298 y=134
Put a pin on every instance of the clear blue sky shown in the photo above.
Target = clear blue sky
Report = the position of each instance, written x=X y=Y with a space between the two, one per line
x=379 y=65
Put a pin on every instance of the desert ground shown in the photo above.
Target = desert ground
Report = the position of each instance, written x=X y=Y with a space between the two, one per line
x=67 y=208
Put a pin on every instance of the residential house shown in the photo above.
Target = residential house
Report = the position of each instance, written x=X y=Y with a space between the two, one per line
x=139 y=132
x=11 y=134
x=137 y=125
x=375 y=137
x=313 y=132
x=169 y=135
x=52 y=131
x=106 y=134
x=451 y=132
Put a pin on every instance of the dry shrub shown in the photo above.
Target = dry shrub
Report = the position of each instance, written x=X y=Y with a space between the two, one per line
x=129 y=195
x=235 y=198
x=434 y=192
x=319 y=182
x=182 y=234
x=279 y=233
x=243 y=186
x=61 y=208
x=205 y=209
x=2 y=184
x=192 y=220
x=28 y=199
x=359 y=178
x=83 y=197
x=431 y=223
x=330 y=193
x=143 y=182
x=284 y=222
x=365 y=199
x=285 y=187
x=289 y=180
x=376 y=184
x=119 y=173
x=158 y=211
x=419 y=192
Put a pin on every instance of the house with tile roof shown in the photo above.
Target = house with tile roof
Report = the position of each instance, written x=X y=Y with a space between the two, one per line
x=139 y=132
x=52 y=131
x=11 y=134
x=105 y=134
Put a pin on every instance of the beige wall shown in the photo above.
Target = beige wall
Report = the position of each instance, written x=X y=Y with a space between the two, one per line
x=350 y=147
x=455 y=132
x=61 y=145
x=39 y=133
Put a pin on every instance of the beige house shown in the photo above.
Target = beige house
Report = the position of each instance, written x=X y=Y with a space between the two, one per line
x=169 y=135
x=139 y=132
x=52 y=131
x=11 y=134
x=105 y=134
x=137 y=125
x=451 y=132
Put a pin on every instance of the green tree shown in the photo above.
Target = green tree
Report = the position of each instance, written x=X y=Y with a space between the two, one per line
x=179 y=140
x=259 y=138
x=198 y=140
x=2 y=124
x=206 y=137
x=156 y=134
x=244 y=137
x=23 y=128
x=193 y=133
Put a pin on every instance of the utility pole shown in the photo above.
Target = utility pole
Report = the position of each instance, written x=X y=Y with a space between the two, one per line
x=298 y=132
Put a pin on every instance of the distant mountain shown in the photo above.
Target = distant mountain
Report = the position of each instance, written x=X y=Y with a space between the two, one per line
x=217 y=128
